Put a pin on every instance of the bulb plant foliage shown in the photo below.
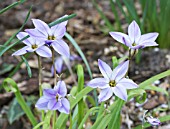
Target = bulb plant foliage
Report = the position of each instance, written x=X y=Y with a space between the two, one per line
x=56 y=105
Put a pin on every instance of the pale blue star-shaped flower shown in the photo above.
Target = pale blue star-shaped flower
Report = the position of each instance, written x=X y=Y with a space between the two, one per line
x=51 y=35
x=153 y=121
x=32 y=45
x=113 y=81
x=134 y=39
x=54 y=99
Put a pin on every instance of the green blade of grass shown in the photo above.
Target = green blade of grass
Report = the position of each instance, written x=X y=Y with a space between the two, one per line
x=92 y=110
x=84 y=59
x=68 y=36
x=80 y=74
x=61 y=20
x=10 y=85
x=154 y=78
x=11 y=6
x=115 y=116
x=123 y=12
x=115 y=12
x=164 y=40
x=144 y=16
x=132 y=11
x=13 y=36
x=107 y=22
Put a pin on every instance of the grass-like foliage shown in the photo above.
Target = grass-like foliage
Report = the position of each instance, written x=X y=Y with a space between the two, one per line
x=55 y=105
x=154 y=17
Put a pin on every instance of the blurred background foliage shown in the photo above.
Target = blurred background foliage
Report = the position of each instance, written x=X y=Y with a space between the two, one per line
x=154 y=17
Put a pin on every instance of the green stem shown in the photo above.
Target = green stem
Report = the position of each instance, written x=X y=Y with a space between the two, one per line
x=55 y=75
x=10 y=85
x=39 y=75
x=70 y=121
x=55 y=78
x=54 y=120
x=131 y=55
x=40 y=80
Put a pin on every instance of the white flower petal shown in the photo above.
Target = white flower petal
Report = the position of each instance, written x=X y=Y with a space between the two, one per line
x=134 y=32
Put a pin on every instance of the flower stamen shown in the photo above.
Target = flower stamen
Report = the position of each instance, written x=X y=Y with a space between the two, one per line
x=112 y=83
x=134 y=44
x=57 y=97
x=34 y=46
x=51 y=37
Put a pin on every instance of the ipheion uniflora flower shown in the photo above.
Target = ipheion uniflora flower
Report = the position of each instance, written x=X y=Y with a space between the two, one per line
x=52 y=36
x=134 y=39
x=114 y=81
x=54 y=99
x=32 y=45
x=153 y=121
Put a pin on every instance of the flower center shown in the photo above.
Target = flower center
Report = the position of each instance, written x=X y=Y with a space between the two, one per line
x=112 y=83
x=57 y=97
x=51 y=37
x=34 y=46
x=134 y=44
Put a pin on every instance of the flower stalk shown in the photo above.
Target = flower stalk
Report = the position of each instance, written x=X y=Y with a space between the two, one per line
x=53 y=61
x=40 y=80
x=54 y=119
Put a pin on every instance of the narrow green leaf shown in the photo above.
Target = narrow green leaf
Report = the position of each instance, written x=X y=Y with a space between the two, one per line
x=113 y=7
x=144 y=16
x=131 y=9
x=38 y=125
x=115 y=115
x=61 y=20
x=10 y=85
x=103 y=122
x=107 y=22
x=3 y=50
x=47 y=120
x=25 y=21
x=101 y=110
x=121 y=9
x=154 y=78
x=136 y=92
x=115 y=61
x=27 y=65
x=91 y=100
x=92 y=110
x=104 y=116
x=155 y=88
x=74 y=117
x=141 y=99
x=80 y=74
x=68 y=36
x=11 y=6
x=73 y=90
